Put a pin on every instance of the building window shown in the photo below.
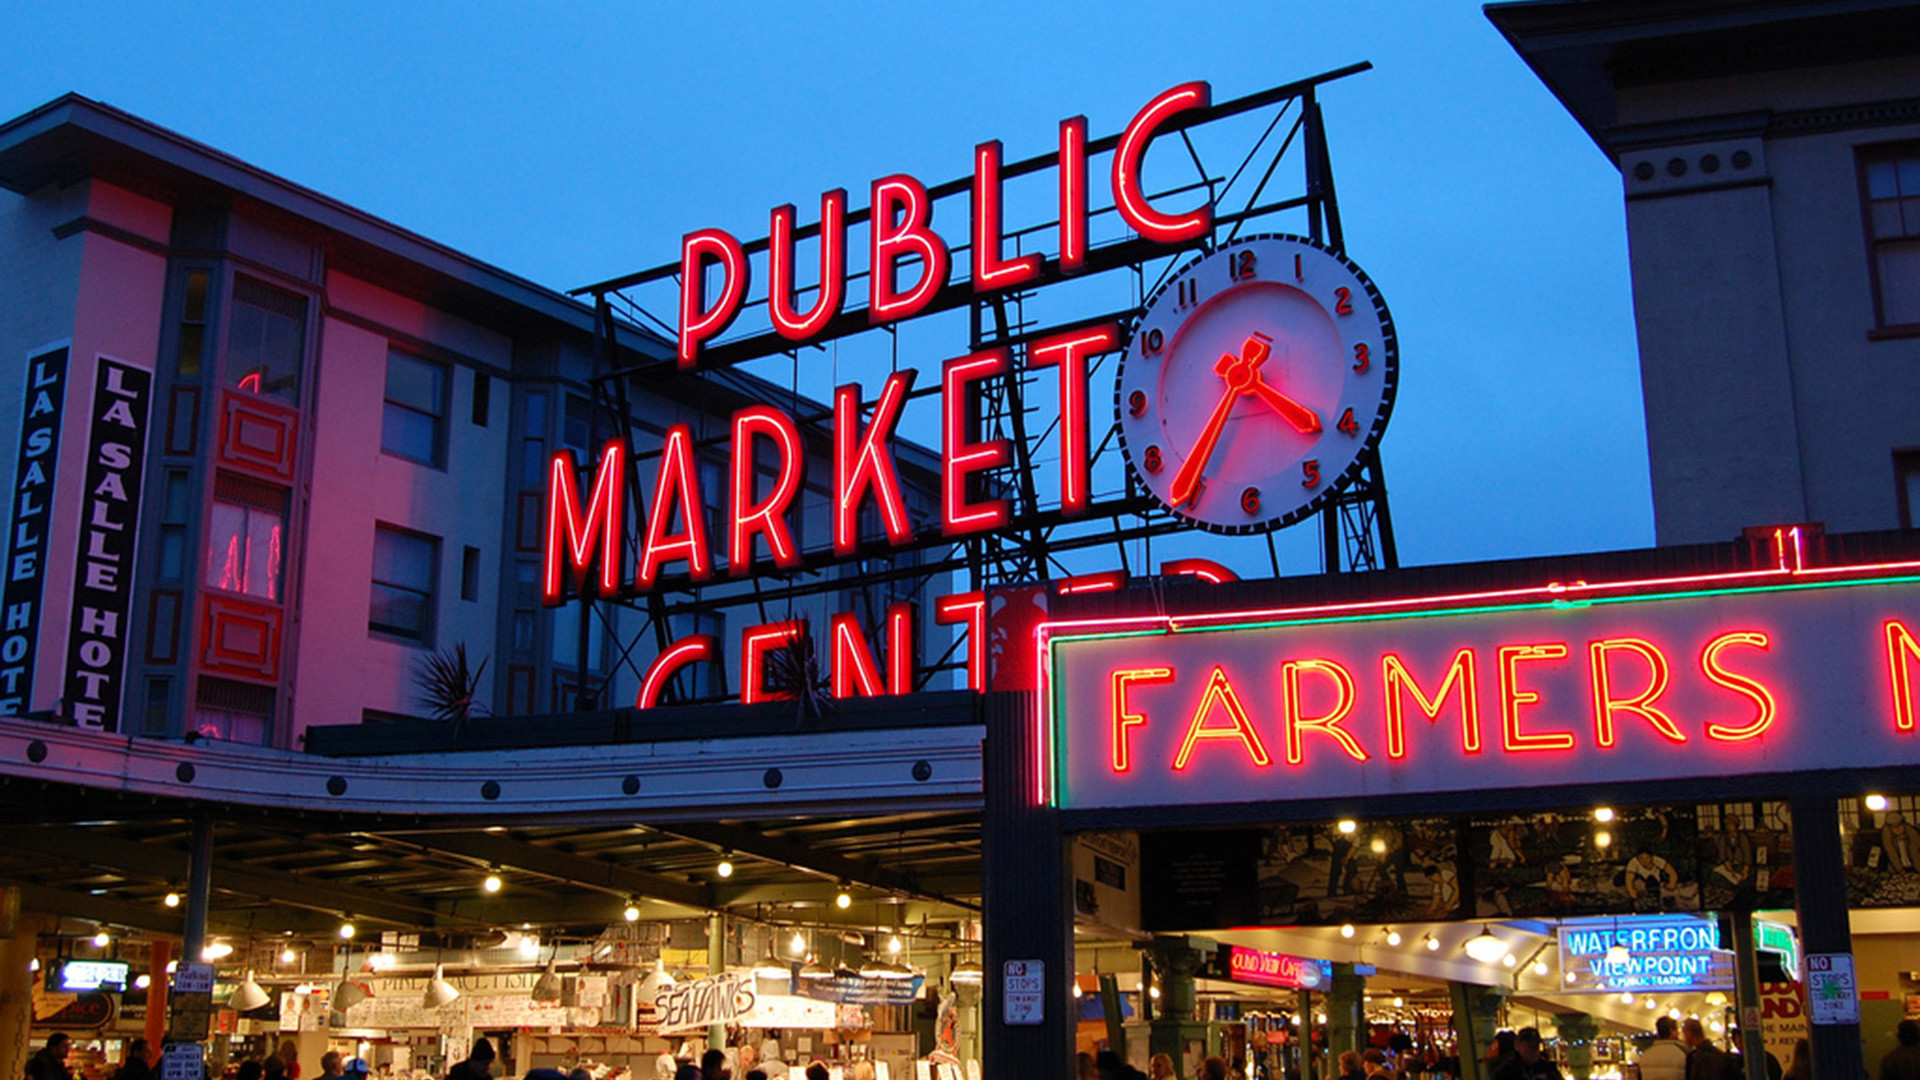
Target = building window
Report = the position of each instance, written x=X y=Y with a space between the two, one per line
x=1893 y=225
x=233 y=711
x=404 y=568
x=266 y=340
x=416 y=404
x=246 y=531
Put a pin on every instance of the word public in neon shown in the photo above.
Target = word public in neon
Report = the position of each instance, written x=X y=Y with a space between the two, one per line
x=911 y=262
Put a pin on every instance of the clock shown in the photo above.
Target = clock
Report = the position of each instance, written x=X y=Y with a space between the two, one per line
x=1256 y=382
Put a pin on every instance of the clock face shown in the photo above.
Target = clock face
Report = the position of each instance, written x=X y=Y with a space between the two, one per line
x=1255 y=382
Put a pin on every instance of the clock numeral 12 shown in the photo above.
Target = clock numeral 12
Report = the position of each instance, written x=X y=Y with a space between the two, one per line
x=1310 y=473
x=1240 y=265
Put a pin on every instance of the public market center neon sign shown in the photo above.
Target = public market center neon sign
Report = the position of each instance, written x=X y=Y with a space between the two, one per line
x=1750 y=672
x=586 y=531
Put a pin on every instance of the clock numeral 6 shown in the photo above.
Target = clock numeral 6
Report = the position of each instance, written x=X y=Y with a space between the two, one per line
x=1240 y=266
x=1250 y=500
x=1362 y=357
x=1155 y=340
x=1151 y=459
x=1348 y=425
x=1137 y=403
x=1343 y=301
x=1310 y=473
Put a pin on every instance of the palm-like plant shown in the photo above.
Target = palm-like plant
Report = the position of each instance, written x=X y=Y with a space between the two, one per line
x=448 y=687
x=794 y=672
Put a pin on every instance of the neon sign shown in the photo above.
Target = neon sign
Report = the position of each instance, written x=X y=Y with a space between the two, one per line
x=1275 y=969
x=1677 y=952
x=1775 y=670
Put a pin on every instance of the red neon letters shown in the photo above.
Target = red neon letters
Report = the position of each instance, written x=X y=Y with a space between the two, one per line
x=689 y=650
x=767 y=518
x=960 y=456
x=900 y=227
x=1129 y=196
x=1298 y=697
x=990 y=269
x=698 y=321
x=679 y=487
x=786 y=321
x=569 y=534
x=900 y=231
x=1070 y=352
x=862 y=463
x=969 y=608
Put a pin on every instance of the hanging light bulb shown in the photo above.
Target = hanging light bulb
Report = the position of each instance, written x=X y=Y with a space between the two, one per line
x=492 y=882
x=1393 y=936
x=1509 y=960
x=1346 y=930
x=631 y=912
x=1876 y=803
x=287 y=955
x=172 y=899
x=218 y=950
x=346 y=931
x=248 y=995
x=102 y=939
x=843 y=899
x=1484 y=947
x=1076 y=989
x=142 y=981
x=1626 y=996
x=1153 y=992
x=1433 y=943
x=1348 y=826
x=725 y=869
x=893 y=945
x=798 y=945
x=530 y=946
x=1603 y=814
x=1540 y=967
x=439 y=990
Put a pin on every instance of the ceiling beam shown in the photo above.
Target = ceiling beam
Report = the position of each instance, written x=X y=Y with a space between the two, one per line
x=500 y=850
x=743 y=840
x=95 y=847
x=152 y=919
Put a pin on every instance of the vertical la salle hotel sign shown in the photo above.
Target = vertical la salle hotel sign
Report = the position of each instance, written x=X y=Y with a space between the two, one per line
x=41 y=407
x=103 y=568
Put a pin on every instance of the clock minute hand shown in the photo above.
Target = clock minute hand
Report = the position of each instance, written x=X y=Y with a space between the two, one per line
x=1187 y=480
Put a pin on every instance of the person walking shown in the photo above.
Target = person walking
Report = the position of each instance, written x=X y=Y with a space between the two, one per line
x=136 y=1067
x=1665 y=1058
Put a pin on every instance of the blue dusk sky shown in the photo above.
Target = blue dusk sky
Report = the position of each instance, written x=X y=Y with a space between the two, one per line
x=570 y=143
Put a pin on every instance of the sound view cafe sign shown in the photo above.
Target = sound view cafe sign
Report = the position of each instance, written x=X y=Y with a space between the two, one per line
x=1251 y=389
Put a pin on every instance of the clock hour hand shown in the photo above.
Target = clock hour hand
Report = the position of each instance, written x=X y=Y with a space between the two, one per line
x=1301 y=417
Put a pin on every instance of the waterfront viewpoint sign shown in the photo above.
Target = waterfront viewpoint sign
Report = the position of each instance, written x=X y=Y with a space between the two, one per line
x=1780 y=669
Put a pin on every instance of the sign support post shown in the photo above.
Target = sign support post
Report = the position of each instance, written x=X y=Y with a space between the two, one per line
x=1820 y=900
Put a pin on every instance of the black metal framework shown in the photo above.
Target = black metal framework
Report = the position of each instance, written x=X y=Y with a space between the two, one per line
x=1039 y=544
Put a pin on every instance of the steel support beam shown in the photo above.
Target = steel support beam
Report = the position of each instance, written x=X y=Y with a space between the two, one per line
x=801 y=857
x=560 y=865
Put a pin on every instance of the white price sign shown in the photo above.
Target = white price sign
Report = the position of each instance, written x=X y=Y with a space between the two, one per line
x=1023 y=992
x=193 y=979
x=1832 y=996
x=183 y=1061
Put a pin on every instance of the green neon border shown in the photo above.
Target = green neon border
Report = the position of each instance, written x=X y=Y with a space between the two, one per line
x=1057 y=777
